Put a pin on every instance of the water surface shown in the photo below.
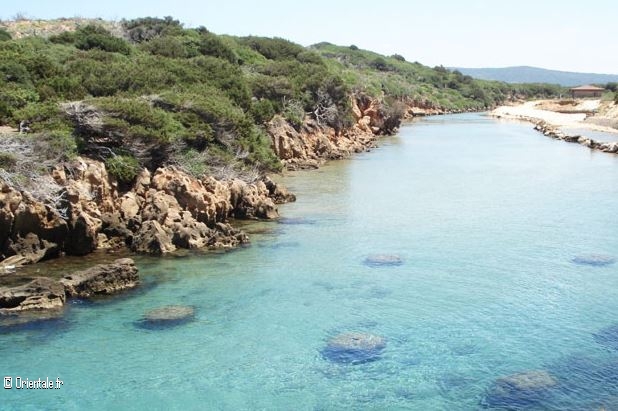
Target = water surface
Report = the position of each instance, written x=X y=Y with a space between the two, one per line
x=486 y=217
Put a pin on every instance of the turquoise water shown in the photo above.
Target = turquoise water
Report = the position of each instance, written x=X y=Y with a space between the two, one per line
x=486 y=216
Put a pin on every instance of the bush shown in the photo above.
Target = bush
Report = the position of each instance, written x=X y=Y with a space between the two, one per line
x=148 y=28
x=123 y=168
x=262 y=111
x=95 y=37
x=4 y=35
x=398 y=57
x=137 y=118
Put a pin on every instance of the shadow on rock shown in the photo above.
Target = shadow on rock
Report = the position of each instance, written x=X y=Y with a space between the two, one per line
x=166 y=317
x=354 y=348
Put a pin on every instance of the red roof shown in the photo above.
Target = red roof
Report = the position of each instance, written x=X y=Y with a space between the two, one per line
x=588 y=88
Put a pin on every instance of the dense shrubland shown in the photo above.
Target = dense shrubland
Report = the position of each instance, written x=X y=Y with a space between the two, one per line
x=162 y=93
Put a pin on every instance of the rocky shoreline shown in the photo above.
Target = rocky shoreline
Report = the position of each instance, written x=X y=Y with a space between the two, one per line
x=166 y=209
x=555 y=132
x=549 y=118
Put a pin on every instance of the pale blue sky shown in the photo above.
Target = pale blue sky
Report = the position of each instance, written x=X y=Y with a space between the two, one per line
x=564 y=35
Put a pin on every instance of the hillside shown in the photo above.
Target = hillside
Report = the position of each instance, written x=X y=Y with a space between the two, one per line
x=526 y=74
x=148 y=134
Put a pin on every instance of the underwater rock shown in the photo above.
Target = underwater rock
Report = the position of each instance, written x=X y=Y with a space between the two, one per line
x=597 y=260
x=354 y=348
x=296 y=221
x=381 y=260
x=519 y=390
x=168 y=316
x=608 y=336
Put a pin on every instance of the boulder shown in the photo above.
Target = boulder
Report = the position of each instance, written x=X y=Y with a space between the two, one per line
x=102 y=279
x=519 y=390
x=32 y=249
x=354 y=348
x=381 y=260
x=40 y=294
x=251 y=201
x=153 y=239
x=167 y=316
x=278 y=192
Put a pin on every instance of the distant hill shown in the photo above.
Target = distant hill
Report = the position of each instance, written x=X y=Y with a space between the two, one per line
x=526 y=74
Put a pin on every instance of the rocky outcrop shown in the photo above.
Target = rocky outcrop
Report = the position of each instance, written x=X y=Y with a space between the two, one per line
x=45 y=294
x=102 y=279
x=40 y=294
x=163 y=211
x=554 y=132
x=313 y=143
x=30 y=230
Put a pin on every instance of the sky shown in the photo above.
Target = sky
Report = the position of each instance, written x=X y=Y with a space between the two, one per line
x=566 y=35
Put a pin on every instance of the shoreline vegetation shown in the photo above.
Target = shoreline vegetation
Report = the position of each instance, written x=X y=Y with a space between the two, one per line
x=149 y=136
x=573 y=121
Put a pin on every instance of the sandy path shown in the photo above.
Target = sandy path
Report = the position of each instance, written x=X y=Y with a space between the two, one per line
x=528 y=111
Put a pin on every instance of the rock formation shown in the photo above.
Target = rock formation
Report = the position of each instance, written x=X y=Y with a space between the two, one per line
x=102 y=279
x=163 y=211
x=44 y=294
x=40 y=294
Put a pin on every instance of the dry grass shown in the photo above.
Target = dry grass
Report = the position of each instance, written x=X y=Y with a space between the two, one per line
x=24 y=27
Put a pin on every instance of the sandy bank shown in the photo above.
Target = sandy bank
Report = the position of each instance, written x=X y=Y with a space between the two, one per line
x=573 y=122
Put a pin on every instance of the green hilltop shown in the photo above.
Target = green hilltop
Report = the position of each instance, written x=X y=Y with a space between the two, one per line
x=149 y=91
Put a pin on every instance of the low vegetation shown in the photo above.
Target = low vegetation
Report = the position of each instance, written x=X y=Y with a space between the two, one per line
x=149 y=91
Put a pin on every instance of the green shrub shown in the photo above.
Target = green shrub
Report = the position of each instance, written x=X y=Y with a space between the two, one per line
x=123 y=168
x=262 y=111
x=4 y=35
x=95 y=37
x=137 y=118
x=212 y=45
x=43 y=117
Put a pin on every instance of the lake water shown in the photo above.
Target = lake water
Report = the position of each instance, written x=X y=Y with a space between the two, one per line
x=486 y=216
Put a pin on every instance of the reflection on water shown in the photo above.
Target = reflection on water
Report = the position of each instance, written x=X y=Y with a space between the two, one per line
x=486 y=218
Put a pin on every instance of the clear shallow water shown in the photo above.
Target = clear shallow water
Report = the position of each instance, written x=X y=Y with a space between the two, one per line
x=486 y=215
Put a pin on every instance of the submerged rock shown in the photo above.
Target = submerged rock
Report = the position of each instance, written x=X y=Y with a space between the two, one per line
x=354 y=348
x=379 y=260
x=519 y=390
x=608 y=336
x=102 y=279
x=598 y=260
x=39 y=294
x=296 y=221
x=167 y=316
